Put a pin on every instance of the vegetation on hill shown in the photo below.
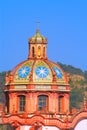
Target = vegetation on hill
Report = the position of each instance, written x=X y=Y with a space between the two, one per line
x=2 y=84
x=78 y=84
x=70 y=69
x=2 y=78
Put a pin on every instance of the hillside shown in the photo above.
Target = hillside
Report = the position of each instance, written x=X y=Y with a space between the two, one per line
x=78 y=84
x=2 y=83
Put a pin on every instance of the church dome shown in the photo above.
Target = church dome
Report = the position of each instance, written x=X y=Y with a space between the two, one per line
x=38 y=38
x=39 y=72
x=37 y=69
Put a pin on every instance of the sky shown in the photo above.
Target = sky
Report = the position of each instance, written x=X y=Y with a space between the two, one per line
x=62 y=22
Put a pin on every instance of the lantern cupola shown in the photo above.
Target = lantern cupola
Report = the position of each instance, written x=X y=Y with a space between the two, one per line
x=37 y=46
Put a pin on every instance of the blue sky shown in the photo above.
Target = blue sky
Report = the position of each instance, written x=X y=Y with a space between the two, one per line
x=63 y=22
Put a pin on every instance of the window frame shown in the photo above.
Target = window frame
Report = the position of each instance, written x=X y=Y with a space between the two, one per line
x=42 y=103
x=22 y=102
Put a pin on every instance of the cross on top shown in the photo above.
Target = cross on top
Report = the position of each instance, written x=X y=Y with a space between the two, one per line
x=38 y=25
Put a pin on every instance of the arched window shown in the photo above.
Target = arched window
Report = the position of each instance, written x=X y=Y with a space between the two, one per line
x=22 y=103
x=33 y=52
x=60 y=104
x=44 y=52
x=42 y=103
x=39 y=51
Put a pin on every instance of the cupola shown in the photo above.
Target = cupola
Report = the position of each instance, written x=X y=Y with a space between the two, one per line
x=37 y=46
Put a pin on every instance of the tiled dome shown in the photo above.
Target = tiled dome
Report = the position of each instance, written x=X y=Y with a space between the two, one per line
x=39 y=72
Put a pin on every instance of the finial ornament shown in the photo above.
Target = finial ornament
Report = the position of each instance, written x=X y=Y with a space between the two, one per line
x=37 y=26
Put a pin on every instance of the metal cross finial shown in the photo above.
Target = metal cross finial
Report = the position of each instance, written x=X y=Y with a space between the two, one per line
x=38 y=25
